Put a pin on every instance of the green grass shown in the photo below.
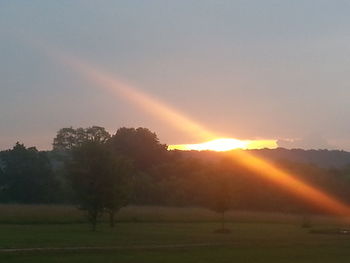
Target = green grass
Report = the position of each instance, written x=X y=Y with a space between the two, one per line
x=223 y=255
x=61 y=214
x=252 y=242
x=255 y=237
x=39 y=214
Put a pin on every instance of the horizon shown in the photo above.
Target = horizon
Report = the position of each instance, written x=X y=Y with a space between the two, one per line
x=196 y=145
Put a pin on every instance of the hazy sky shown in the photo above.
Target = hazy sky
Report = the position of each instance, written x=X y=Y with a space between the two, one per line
x=246 y=69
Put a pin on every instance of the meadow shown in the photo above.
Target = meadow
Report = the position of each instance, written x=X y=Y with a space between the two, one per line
x=157 y=234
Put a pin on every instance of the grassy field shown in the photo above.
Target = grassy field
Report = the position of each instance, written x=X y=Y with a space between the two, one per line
x=154 y=234
x=60 y=214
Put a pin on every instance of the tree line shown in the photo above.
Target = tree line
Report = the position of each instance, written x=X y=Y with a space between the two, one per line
x=101 y=173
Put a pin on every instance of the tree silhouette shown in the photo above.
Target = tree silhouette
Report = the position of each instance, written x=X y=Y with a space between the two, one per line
x=222 y=190
x=27 y=176
x=88 y=172
x=117 y=192
x=140 y=145
x=69 y=138
x=99 y=180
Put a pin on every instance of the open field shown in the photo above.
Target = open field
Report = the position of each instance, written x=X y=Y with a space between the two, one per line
x=172 y=242
x=156 y=234
x=62 y=214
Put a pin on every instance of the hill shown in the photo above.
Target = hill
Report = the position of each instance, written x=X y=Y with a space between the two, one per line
x=321 y=158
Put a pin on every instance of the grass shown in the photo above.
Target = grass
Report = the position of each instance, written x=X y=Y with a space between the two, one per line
x=39 y=214
x=223 y=255
x=255 y=237
x=63 y=214
x=251 y=242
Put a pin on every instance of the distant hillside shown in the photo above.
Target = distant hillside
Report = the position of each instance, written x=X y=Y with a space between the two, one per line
x=321 y=158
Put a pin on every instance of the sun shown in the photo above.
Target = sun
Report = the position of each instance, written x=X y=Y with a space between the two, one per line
x=218 y=145
x=221 y=145
x=225 y=144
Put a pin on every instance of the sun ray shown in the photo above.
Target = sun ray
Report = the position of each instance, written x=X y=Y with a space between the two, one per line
x=291 y=183
x=225 y=144
x=140 y=99
x=261 y=167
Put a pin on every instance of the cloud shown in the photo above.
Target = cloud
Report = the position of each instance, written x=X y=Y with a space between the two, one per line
x=311 y=141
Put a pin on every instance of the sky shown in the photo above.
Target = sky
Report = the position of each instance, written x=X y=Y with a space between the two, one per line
x=244 y=69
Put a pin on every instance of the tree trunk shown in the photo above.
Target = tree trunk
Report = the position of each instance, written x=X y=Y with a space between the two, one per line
x=111 y=219
x=223 y=221
x=93 y=219
x=93 y=228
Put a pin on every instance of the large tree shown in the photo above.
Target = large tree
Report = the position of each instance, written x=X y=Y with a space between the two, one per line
x=223 y=189
x=99 y=180
x=140 y=145
x=118 y=190
x=69 y=138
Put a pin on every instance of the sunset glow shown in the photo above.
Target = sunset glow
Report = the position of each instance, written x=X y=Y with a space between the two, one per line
x=182 y=123
x=226 y=144
x=291 y=183
x=145 y=102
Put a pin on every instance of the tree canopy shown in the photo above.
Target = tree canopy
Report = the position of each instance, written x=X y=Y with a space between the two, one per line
x=69 y=138
x=100 y=180
x=140 y=145
x=26 y=176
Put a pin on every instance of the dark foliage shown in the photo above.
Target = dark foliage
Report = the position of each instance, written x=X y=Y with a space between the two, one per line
x=99 y=179
x=102 y=176
x=69 y=138
x=26 y=176
x=140 y=145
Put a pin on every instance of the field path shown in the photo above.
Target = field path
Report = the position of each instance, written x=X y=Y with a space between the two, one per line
x=136 y=247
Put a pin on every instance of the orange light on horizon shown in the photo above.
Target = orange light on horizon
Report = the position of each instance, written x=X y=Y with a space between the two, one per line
x=269 y=172
x=179 y=121
x=182 y=123
x=226 y=144
x=291 y=183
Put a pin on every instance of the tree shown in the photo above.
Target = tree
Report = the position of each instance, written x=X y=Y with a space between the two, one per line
x=27 y=176
x=66 y=139
x=88 y=173
x=221 y=202
x=222 y=190
x=95 y=134
x=99 y=180
x=140 y=145
x=117 y=193
x=2 y=179
x=69 y=138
